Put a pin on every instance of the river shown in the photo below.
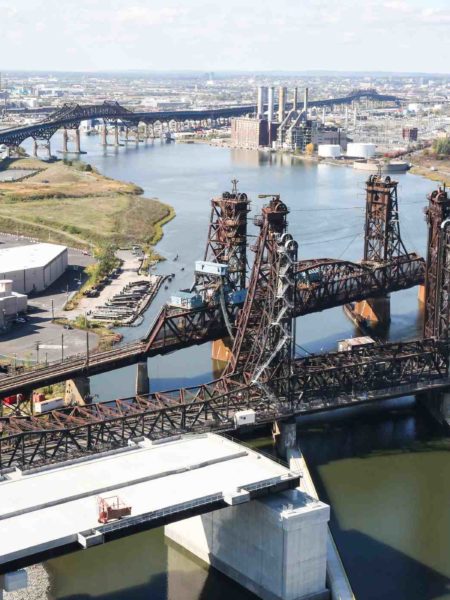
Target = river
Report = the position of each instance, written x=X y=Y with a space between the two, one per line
x=385 y=470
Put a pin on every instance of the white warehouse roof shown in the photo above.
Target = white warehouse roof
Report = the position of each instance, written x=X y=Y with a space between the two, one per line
x=28 y=257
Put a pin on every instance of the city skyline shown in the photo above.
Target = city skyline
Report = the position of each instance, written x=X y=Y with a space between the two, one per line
x=391 y=36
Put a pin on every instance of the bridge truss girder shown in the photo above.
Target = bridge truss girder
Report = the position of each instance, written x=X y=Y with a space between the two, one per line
x=317 y=382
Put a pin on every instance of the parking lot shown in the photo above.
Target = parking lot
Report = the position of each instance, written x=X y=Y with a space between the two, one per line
x=38 y=338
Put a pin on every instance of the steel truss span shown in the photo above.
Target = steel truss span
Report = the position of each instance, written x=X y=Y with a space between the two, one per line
x=321 y=284
x=71 y=115
x=318 y=382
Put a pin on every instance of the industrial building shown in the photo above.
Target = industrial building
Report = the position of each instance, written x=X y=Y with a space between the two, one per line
x=12 y=303
x=34 y=267
x=289 y=129
x=249 y=133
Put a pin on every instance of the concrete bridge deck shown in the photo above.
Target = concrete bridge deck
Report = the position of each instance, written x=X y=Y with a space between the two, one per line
x=44 y=512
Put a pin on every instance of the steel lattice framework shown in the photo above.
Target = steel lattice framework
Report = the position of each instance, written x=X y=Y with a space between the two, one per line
x=262 y=375
x=437 y=322
x=318 y=382
x=382 y=240
x=227 y=235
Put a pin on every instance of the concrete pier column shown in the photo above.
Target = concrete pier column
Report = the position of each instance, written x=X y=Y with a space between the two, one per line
x=35 y=148
x=275 y=546
x=116 y=135
x=137 y=135
x=437 y=404
x=147 y=132
x=221 y=349
x=285 y=433
x=142 y=380
x=77 y=141
x=49 y=150
x=78 y=391
x=65 y=140
x=421 y=294
x=126 y=134
x=104 y=134
x=375 y=311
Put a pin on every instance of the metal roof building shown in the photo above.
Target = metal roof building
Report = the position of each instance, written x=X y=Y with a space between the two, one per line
x=34 y=267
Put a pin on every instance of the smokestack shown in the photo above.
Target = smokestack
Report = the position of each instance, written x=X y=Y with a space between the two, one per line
x=281 y=103
x=260 y=105
x=305 y=100
x=295 y=102
x=270 y=105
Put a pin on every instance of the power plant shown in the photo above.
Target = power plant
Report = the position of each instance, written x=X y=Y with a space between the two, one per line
x=282 y=125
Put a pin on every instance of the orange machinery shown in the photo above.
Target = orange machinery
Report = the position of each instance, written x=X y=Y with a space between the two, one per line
x=112 y=508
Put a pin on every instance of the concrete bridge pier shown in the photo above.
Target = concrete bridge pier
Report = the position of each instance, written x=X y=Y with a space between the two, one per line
x=116 y=135
x=274 y=546
x=374 y=311
x=77 y=141
x=438 y=405
x=104 y=134
x=35 y=148
x=126 y=135
x=78 y=391
x=421 y=294
x=142 y=379
x=65 y=140
x=49 y=149
x=285 y=435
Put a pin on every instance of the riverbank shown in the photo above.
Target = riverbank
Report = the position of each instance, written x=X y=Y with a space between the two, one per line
x=73 y=204
x=430 y=167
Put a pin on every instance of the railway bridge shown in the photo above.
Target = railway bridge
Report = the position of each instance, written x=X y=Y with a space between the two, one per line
x=264 y=374
x=319 y=284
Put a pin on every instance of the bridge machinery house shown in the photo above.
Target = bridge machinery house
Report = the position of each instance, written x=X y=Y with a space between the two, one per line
x=34 y=267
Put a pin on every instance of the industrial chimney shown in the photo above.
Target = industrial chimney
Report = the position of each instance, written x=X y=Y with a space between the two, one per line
x=295 y=102
x=305 y=100
x=281 y=103
x=270 y=105
x=260 y=105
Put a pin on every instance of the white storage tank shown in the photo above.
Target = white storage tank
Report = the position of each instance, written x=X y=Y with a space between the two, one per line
x=360 y=150
x=329 y=150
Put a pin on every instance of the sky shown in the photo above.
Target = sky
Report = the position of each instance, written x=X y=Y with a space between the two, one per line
x=248 y=35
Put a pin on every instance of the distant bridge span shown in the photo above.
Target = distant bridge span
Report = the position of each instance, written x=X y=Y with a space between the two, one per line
x=71 y=115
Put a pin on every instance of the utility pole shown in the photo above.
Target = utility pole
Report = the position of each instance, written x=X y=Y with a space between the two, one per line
x=62 y=347
x=37 y=352
x=87 y=339
x=53 y=311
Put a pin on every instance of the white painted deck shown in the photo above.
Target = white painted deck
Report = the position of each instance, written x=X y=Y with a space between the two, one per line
x=49 y=508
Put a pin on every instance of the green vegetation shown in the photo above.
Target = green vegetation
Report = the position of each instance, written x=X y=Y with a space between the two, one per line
x=74 y=205
x=441 y=147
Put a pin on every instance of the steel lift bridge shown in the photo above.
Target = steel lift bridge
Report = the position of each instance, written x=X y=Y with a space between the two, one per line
x=320 y=284
x=264 y=373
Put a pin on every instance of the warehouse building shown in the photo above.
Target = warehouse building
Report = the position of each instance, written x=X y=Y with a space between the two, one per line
x=32 y=268
x=12 y=304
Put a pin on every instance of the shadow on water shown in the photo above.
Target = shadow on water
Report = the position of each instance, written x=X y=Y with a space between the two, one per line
x=380 y=571
x=151 y=569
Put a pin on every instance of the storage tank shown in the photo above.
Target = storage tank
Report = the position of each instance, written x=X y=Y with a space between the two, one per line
x=329 y=150
x=360 y=150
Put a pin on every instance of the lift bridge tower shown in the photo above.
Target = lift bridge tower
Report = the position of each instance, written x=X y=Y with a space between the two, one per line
x=382 y=241
x=227 y=245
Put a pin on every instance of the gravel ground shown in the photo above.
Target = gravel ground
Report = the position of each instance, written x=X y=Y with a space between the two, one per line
x=38 y=586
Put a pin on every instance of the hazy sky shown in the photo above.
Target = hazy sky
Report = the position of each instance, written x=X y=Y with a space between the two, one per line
x=391 y=35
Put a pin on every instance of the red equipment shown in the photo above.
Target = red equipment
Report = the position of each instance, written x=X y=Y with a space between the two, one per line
x=112 y=508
